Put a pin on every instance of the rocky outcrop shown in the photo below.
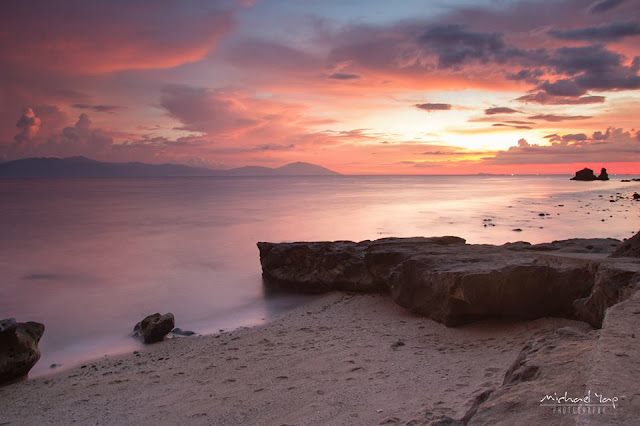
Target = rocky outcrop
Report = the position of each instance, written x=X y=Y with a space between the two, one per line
x=154 y=327
x=603 y=174
x=575 y=245
x=455 y=283
x=596 y=369
x=477 y=282
x=341 y=265
x=587 y=175
x=19 y=349
x=614 y=364
x=630 y=248
x=550 y=364
x=614 y=282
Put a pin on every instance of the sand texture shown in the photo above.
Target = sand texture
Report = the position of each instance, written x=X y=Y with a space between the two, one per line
x=342 y=359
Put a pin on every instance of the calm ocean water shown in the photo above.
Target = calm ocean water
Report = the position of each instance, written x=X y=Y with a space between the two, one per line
x=89 y=258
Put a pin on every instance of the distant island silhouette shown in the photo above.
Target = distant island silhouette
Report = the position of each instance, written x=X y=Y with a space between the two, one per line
x=83 y=167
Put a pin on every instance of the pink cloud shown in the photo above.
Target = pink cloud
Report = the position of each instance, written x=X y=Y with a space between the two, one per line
x=96 y=37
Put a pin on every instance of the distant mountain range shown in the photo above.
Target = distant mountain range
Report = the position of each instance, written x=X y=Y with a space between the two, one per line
x=82 y=167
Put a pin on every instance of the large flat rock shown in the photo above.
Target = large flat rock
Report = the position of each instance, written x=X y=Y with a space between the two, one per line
x=456 y=283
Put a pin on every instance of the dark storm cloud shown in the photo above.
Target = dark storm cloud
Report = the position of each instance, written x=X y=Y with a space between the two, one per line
x=343 y=76
x=528 y=75
x=591 y=59
x=99 y=108
x=455 y=45
x=590 y=68
x=602 y=6
x=609 y=32
x=556 y=118
x=433 y=107
x=563 y=87
x=500 y=110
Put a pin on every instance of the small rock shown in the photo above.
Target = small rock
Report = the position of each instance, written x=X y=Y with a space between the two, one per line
x=19 y=349
x=517 y=230
x=154 y=327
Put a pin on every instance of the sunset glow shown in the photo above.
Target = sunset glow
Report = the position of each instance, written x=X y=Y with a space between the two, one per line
x=419 y=87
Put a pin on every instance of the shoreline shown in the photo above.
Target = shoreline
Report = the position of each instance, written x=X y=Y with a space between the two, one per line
x=363 y=356
x=341 y=359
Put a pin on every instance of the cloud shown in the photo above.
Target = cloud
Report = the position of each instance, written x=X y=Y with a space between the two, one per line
x=343 y=76
x=563 y=87
x=433 y=107
x=93 y=36
x=609 y=32
x=500 y=110
x=614 y=145
x=602 y=6
x=29 y=126
x=547 y=99
x=519 y=122
x=455 y=45
x=528 y=75
x=99 y=108
x=267 y=55
x=590 y=68
x=556 y=118
x=513 y=126
x=234 y=116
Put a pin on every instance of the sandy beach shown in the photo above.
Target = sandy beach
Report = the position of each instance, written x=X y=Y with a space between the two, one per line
x=342 y=359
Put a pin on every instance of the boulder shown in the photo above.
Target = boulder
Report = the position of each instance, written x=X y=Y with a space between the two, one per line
x=154 y=327
x=455 y=283
x=630 y=248
x=19 y=349
x=585 y=174
x=316 y=267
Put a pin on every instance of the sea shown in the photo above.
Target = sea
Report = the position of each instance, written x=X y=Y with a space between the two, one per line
x=91 y=257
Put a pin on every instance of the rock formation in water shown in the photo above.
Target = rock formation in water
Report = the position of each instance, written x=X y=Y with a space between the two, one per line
x=154 y=327
x=455 y=283
x=587 y=175
x=19 y=349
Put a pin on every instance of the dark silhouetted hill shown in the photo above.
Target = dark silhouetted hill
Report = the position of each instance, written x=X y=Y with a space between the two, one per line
x=82 y=167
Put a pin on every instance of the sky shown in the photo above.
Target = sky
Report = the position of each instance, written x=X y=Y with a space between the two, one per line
x=361 y=87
